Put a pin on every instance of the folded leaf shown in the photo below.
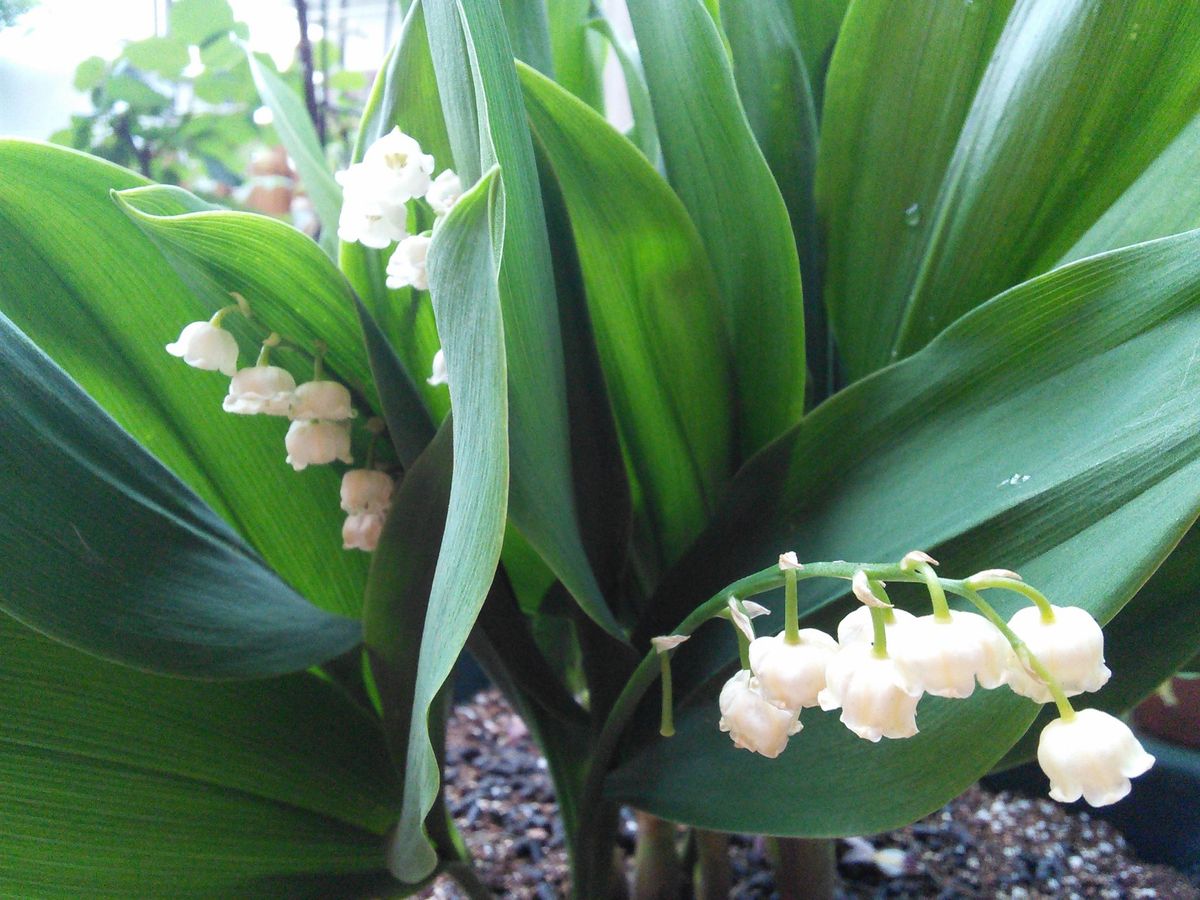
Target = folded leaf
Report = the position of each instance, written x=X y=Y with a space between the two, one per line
x=95 y=294
x=120 y=783
x=1053 y=431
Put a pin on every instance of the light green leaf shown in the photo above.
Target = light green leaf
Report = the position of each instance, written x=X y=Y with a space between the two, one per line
x=463 y=282
x=106 y=550
x=162 y=55
x=899 y=88
x=1035 y=167
x=474 y=62
x=647 y=283
x=578 y=57
x=194 y=21
x=123 y=784
x=90 y=73
x=87 y=287
x=130 y=88
x=529 y=33
x=995 y=446
x=299 y=137
x=643 y=132
x=718 y=171
x=1165 y=200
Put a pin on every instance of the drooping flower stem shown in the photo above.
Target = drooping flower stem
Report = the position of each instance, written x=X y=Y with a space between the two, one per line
x=1019 y=587
x=791 y=607
x=937 y=594
x=667 y=720
x=879 y=626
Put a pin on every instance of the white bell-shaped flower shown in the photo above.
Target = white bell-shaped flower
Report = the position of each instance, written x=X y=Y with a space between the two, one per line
x=945 y=658
x=406 y=267
x=1071 y=648
x=444 y=192
x=754 y=723
x=203 y=345
x=401 y=167
x=366 y=491
x=366 y=217
x=328 y=400
x=857 y=627
x=361 y=531
x=791 y=675
x=260 y=390
x=873 y=698
x=438 y=373
x=1091 y=756
x=316 y=443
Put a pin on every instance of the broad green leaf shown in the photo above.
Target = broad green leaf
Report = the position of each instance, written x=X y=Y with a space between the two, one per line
x=1165 y=200
x=405 y=95
x=643 y=132
x=715 y=165
x=647 y=283
x=194 y=21
x=773 y=85
x=90 y=73
x=299 y=137
x=485 y=116
x=131 y=89
x=818 y=24
x=164 y=56
x=108 y=551
x=578 y=56
x=462 y=269
x=1035 y=167
x=529 y=33
x=995 y=446
x=87 y=287
x=899 y=88
x=123 y=784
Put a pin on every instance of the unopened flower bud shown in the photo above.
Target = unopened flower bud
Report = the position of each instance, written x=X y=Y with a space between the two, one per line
x=1071 y=648
x=791 y=675
x=406 y=267
x=857 y=628
x=316 y=443
x=203 y=345
x=361 y=531
x=1093 y=756
x=944 y=658
x=438 y=374
x=366 y=491
x=444 y=192
x=260 y=390
x=871 y=694
x=752 y=722
x=326 y=400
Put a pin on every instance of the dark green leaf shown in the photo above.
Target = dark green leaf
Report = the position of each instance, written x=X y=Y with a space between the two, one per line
x=818 y=24
x=716 y=167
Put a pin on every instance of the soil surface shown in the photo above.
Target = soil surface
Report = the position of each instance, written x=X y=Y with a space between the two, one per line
x=979 y=845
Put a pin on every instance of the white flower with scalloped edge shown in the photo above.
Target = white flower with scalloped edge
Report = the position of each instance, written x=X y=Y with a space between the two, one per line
x=401 y=167
x=365 y=217
x=203 y=345
x=874 y=700
x=857 y=627
x=327 y=400
x=791 y=675
x=753 y=723
x=366 y=491
x=312 y=443
x=260 y=390
x=361 y=531
x=406 y=267
x=1071 y=648
x=1091 y=756
x=945 y=658
x=444 y=192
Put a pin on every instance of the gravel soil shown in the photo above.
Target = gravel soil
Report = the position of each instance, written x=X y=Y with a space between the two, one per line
x=979 y=845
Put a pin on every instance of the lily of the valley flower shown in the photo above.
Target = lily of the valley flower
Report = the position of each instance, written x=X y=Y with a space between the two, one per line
x=326 y=400
x=406 y=268
x=400 y=167
x=260 y=390
x=438 y=373
x=312 y=443
x=1071 y=648
x=856 y=628
x=203 y=345
x=444 y=192
x=366 y=491
x=753 y=723
x=1092 y=755
x=873 y=697
x=361 y=531
x=365 y=217
x=791 y=675
x=945 y=658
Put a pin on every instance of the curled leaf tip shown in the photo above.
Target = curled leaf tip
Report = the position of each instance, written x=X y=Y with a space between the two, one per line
x=861 y=585
x=789 y=561
x=914 y=557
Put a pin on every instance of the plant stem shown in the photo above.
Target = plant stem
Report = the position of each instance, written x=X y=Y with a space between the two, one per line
x=656 y=863
x=713 y=878
x=472 y=886
x=805 y=868
x=791 y=608
x=879 y=626
x=667 y=720
x=1019 y=587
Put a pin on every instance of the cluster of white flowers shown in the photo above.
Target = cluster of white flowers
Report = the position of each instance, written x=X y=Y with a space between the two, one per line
x=884 y=660
x=319 y=410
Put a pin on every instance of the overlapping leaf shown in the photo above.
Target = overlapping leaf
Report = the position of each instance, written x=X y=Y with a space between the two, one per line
x=951 y=451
